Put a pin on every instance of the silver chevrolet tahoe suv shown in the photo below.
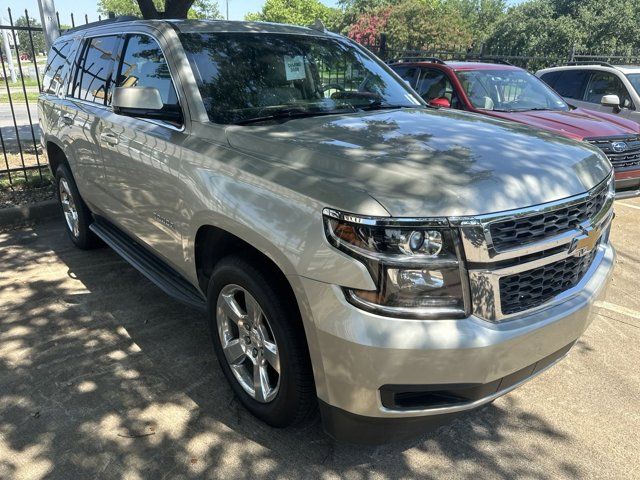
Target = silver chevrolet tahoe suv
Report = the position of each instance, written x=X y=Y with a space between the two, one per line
x=356 y=251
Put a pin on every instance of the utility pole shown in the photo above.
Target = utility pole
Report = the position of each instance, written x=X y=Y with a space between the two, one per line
x=49 y=23
x=6 y=48
x=227 y=9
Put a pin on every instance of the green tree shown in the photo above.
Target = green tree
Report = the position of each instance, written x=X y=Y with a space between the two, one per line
x=25 y=41
x=163 y=8
x=295 y=12
x=418 y=24
x=481 y=16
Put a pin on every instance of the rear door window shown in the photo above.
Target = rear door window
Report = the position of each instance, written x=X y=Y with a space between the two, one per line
x=94 y=69
x=551 y=78
x=571 y=83
x=408 y=74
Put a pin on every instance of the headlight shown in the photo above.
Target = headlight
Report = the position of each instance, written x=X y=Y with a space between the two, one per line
x=415 y=264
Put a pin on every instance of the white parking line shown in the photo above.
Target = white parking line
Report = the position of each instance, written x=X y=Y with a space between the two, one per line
x=627 y=205
x=618 y=309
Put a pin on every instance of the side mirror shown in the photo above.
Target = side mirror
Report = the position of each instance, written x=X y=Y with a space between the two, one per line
x=441 y=102
x=610 y=101
x=144 y=102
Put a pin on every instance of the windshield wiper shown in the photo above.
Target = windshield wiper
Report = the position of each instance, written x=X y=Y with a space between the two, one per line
x=378 y=105
x=291 y=113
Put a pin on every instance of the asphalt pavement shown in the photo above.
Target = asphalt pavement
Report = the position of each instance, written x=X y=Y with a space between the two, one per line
x=103 y=376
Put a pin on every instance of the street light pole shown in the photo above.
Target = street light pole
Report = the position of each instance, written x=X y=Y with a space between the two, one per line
x=227 y=1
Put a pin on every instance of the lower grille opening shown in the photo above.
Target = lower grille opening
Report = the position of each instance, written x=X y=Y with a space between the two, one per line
x=407 y=397
x=534 y=287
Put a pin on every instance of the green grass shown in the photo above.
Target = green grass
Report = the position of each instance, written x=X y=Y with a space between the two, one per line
x=17 y=96
x=18 y=180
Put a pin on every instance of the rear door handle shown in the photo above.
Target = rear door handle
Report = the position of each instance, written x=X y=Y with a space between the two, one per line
x=109 y=138
x=67 y=119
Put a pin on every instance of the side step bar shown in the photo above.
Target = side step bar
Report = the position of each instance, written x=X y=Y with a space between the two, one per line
x=165 y=277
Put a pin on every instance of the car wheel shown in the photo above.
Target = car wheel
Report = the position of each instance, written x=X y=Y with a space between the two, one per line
x=77 y=215
x=259 y=341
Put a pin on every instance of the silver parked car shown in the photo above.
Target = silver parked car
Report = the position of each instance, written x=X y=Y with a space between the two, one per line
x=355 y=250
x=598 y=86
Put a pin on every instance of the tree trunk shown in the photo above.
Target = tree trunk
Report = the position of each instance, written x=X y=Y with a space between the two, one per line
x=172 y=9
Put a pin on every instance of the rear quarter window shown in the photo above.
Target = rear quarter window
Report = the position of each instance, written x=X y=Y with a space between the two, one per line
x=57 y=67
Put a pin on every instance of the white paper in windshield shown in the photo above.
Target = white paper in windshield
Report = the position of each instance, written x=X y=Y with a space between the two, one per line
x=294 y=67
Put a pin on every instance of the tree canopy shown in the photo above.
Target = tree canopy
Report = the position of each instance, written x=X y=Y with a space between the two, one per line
x=161 y=8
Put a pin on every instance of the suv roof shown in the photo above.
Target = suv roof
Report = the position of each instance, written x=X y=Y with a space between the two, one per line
x=460 y=65
x=213 y=26
x=595 y=66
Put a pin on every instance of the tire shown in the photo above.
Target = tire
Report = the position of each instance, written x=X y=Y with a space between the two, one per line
x=294 y=400
x=77 y=216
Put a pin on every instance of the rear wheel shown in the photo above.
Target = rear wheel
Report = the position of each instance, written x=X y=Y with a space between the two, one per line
x=77 y=215
x=258 y=339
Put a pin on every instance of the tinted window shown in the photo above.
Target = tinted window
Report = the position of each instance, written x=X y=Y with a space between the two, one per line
x=550 y=78
x=144 y=65
x=243 y=77
x=571 y=83
x=57 y=66
x=606 y=83
x=94 y=68
x=407 y=73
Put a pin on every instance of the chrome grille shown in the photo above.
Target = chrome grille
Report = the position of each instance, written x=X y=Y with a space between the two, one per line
x=532 y=288
x=516 y=232
x=528 y=259
x=627 y=158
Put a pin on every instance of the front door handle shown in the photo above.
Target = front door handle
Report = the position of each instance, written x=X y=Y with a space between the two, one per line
x=109 y=138
x=67 y=119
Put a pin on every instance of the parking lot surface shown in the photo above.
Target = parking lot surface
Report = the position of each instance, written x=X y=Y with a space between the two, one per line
x=103 y=376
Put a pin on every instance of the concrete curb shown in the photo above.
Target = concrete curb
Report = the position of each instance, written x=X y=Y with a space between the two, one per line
x=35 y=212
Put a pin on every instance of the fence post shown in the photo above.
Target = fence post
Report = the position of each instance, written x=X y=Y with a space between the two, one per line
x=382 y=51
x=49 y=25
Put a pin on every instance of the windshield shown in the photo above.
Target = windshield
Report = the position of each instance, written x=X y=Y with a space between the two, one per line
x=247 y=76
x=509 y=91
x=634 y=78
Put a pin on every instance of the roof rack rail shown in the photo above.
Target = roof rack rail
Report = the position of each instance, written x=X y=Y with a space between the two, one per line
x=591 y=62
x=122 y=18
x=418 y=59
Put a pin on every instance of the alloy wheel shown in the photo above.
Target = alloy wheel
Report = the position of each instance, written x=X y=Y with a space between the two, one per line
x=248 y=343
x=69 y=207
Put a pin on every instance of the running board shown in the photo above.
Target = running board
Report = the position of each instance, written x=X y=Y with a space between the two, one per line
x=156 y=270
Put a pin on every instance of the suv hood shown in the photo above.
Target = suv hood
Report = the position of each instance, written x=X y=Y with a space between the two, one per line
x=578 y=123
x=427 y=162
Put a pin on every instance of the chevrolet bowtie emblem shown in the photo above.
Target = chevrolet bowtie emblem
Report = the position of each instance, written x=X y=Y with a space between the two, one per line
x=586 y=242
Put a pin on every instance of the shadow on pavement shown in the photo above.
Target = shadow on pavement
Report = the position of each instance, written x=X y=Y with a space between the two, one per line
x=102 y=375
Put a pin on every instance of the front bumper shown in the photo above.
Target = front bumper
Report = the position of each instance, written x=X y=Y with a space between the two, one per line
x=627 y=183
x=359 y=355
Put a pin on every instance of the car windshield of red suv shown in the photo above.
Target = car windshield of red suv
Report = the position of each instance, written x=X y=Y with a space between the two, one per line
x=508 y=91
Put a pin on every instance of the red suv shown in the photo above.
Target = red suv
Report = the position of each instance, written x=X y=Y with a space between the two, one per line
x=511 y=93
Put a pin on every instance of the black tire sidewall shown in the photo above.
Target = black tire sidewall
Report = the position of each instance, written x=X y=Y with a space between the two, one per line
x=290 y=405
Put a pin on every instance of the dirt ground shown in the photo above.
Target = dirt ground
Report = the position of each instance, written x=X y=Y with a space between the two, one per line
x=103 y=376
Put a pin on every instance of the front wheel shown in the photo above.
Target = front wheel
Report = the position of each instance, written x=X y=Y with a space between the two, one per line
x=258 y=339
x=77 y=215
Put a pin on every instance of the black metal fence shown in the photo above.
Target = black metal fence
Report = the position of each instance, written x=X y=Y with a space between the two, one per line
x=22 y=61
